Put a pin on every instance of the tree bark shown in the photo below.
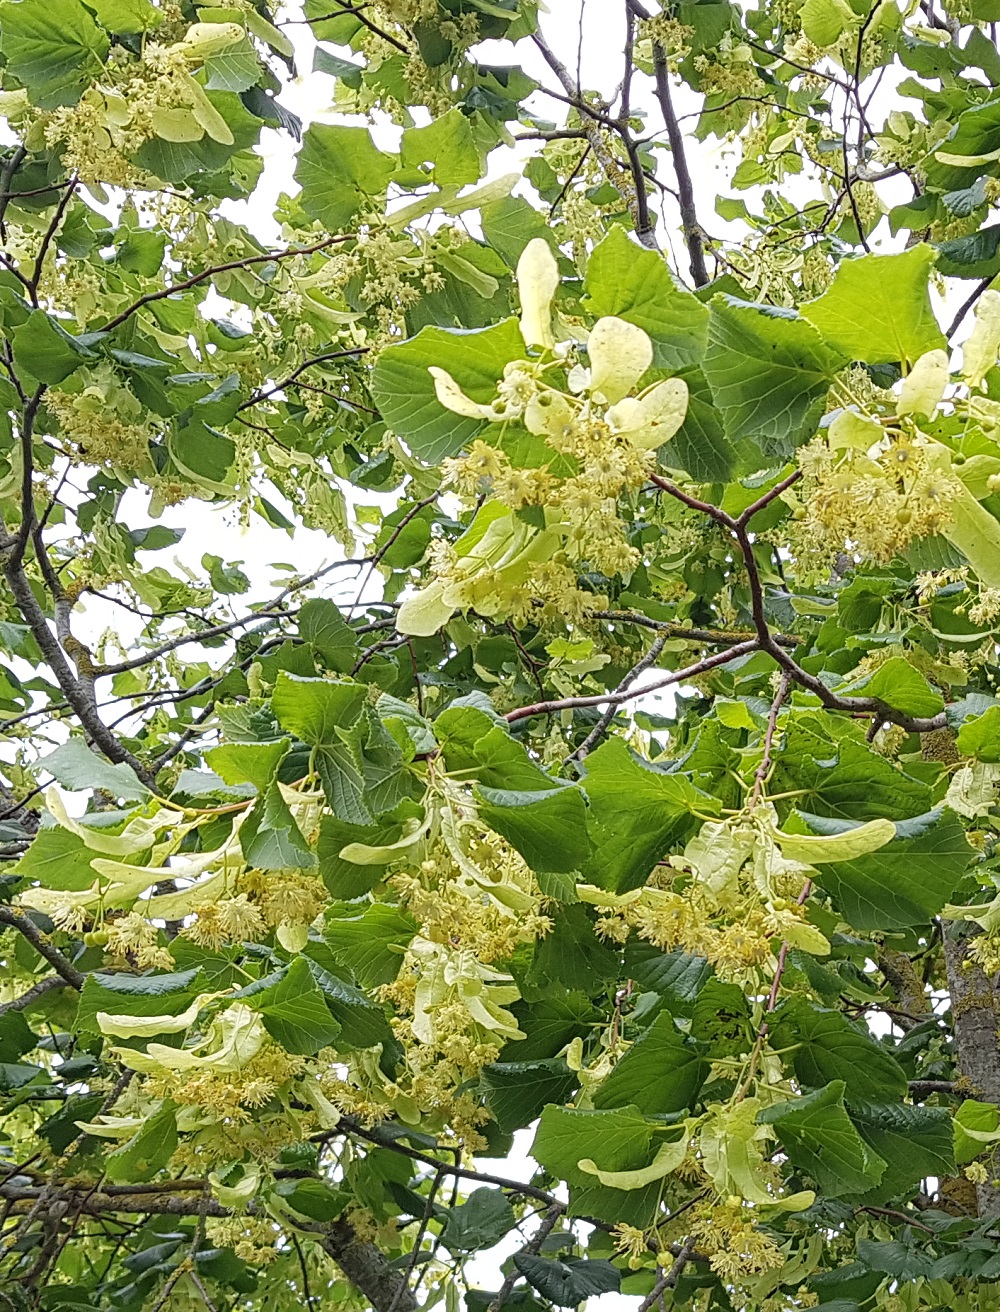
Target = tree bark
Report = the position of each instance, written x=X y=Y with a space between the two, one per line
x=368 y=1269
x=364 y=1265
x=975 y=1020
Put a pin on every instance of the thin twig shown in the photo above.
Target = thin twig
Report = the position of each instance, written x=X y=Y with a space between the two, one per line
x=764 y=769
x=668 y=1279
x=604 y=723
x=549 y=1222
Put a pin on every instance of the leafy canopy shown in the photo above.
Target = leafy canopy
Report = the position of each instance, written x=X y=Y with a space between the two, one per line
x=323 y=883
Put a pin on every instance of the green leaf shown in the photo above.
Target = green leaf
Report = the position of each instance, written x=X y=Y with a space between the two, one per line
x=76 y=767
x=338 y=169
x=44 y=348
x=700 y=445
x=480 y=1222
x=248 y=763
x=314 y=709
x=827 y=1047
x=618 y=1140
x=404 y=389
x=636 y=813
x=126 y=16
x=59 y=860
x=982 y=1120
x=825 y=21
x=516 y=1091
x=980 y=736
x=661 y=1072
x=914 y=1142
x=313 y=1198
x=142 y=252
x=844 y=779
x=16 y=1036
x=204 y=454
x=164 y=994
x=637 y=285
x=270 y=837
x=448 y=146
x=908 y=881
x=572 y=956
x=974 y=256
x=53 y=48
x=676 y=977
x=363 y=1023
x=371 y=945
x=236 y=69
x=878 y=308
x=323 y=626
x=567 y=1282
x=146 y=1152
x=769 y=371
x=549 y=829
x=295 y=1013
x=343 y=69
x=341 y=771
x=819 y=1138
x=509 y=224
x=899 y=685
x=894 y=1258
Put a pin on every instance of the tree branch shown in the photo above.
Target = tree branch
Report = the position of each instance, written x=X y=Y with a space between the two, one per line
x=532 y=1247
x=25 y=926
x=39 y=990
x=604 y=723
x=668 y=1279
x=267 y=258
x=618 y=697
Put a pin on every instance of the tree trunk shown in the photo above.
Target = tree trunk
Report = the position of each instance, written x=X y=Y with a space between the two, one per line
x=368 y=1269
x=975 y=1020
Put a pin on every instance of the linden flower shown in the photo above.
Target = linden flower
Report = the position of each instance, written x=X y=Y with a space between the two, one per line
x=235 y=1037
x=448 y=977
x=493 y=555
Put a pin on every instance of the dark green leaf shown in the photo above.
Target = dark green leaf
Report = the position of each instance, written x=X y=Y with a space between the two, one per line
x=819 y=1138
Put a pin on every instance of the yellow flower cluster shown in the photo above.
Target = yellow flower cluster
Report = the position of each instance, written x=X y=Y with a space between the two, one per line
x=105 y=422
x=727 y=1233
x=251 y=1238
x=873 y=503
x=234 y=1097
x=731 y=898
x=132 y=941
x=595 y=441
x=154 y=97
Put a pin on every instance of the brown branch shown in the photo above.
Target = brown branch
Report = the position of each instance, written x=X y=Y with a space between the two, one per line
x=634 y=196
x=48 y=238
x=764 y=769
x=532 y=1247
x=364 y=1265
x=344 y=8
x=617 y=698
x=604 y=723
x=6 y=175
x=728 y=636
x=306 y=364
x=26 y=927
x=76 y=692
x=967 y=305
x=267 y=258
x=924 y=1088
x=668 y=1279
x=31 y=995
